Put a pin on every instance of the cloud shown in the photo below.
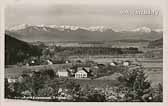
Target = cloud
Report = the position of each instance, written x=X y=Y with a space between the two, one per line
x=66 y=12
x=88 y=2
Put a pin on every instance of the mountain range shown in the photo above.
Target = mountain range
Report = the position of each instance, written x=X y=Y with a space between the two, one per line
x=31 y=33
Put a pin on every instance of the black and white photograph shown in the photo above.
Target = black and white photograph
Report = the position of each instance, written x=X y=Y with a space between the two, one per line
x=83 y=51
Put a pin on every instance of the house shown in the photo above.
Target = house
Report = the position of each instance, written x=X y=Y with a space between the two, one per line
x=67 y=61
x=113 y=63
x=63 y=73
x=49 y=62
x=126 y=63
x=12 y=80
x=31 y=63
x=82 y=72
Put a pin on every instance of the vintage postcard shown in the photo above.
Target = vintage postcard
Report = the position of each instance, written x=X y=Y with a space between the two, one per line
x=83 y=51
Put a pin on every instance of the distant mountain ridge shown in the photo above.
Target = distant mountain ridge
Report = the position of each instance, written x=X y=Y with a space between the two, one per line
x=76 y=33
x=73 y=28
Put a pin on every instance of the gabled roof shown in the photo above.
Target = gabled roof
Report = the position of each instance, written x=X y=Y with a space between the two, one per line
x=81 y=71
x=127 y=61
x=115 y=63
x=86 y=69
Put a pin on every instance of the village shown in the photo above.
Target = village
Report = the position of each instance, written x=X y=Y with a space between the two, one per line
x=77 y=82
x=80 y=70
x=99 y=74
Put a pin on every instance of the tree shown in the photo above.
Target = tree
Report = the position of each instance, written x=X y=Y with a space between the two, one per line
x=139 y=86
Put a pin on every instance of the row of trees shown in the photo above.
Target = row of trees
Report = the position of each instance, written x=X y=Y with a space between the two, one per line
x=17 y=51
x=92 y=50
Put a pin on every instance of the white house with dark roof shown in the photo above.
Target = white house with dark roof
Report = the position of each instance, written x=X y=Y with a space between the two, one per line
x=82 y=72
x=113 y=63
x=49 y=62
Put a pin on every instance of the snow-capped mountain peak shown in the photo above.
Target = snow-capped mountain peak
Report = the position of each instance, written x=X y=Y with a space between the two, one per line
x=19 y=27
x=60 y=28
x=24 y=26
x=142 y=29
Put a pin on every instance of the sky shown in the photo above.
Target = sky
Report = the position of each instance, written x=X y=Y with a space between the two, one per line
x=83 y=13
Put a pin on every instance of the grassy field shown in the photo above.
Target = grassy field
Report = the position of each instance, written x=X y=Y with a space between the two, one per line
x=16 y=71
x=155 y=77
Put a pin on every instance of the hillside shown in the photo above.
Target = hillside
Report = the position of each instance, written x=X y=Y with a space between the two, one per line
x=17 y=50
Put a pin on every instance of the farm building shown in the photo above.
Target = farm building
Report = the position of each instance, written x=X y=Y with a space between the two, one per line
x=126 y=63
x=82 y=72
x=11 y=80
x=49 y=62
x=63 y=73
x=113 y=63
x=32 y=63
x=67 y=61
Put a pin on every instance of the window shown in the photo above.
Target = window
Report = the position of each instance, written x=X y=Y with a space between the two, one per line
x=80 y=75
